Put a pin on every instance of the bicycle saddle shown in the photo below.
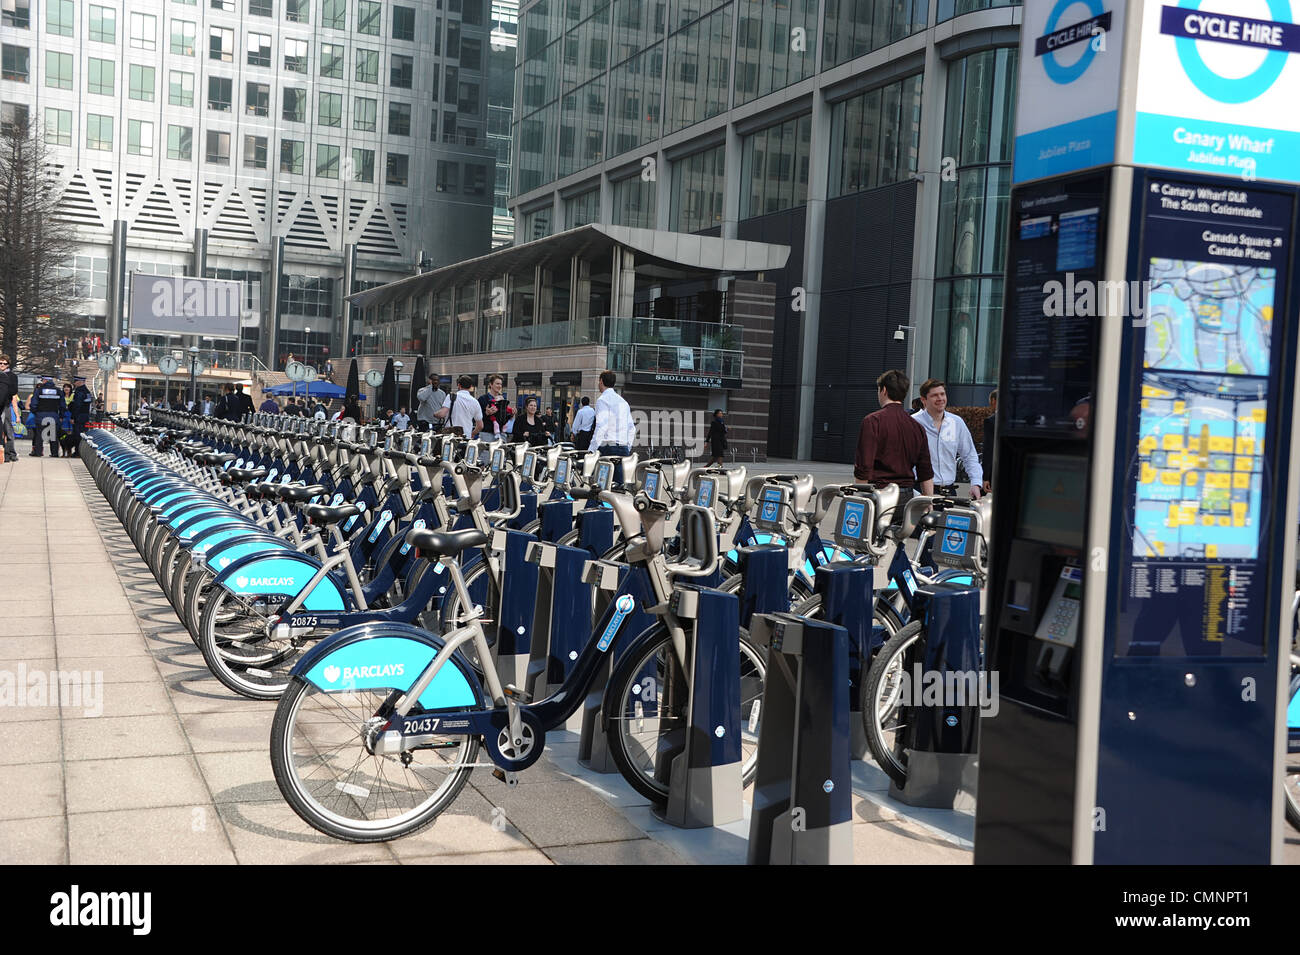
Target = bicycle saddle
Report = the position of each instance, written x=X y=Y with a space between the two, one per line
x=242 y=475
x=260 y=489
x=298 y=494
x=324 y=515
x=445 y=543
x=584 y=493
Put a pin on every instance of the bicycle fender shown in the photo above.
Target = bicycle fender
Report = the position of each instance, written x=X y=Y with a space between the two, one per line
x=283 y=572
x=382 y=655
x=211 y=538
x=223 y=553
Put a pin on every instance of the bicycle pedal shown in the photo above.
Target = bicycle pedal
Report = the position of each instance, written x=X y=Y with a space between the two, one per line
x=510 y=779
x=514 y=693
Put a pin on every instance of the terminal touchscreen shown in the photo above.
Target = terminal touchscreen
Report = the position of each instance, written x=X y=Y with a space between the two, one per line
x=1052 y=500
x=530 y=465
x=604 y=471
x=447 y=450
x=771 y=502
x=848 y=529
x=707 y=492
x=471 y=454
x=652 y=484
x=498 y=458
x=562 y=471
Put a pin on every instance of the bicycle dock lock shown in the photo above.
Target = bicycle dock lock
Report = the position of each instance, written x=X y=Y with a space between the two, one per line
x=848 y=595
x=613 y=581
x=803 y=789
x=561 y=619
x=518 y=593
x=704 y=778
x=595 y=529
x=941 y=686
x=764 y=580
x=556 y=519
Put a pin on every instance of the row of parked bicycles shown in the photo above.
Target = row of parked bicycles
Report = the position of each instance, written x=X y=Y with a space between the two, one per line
x=360 y=577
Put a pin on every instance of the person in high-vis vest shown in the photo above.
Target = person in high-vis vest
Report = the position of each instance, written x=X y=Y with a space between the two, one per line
x=48 y=406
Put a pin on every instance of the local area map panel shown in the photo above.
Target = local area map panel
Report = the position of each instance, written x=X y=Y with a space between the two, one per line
x=1200 y=489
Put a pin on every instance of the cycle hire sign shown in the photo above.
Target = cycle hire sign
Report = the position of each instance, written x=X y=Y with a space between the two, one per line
x=1218 y=88
x=1070 y=57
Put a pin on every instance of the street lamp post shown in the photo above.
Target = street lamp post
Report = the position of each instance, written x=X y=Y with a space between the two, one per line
x=194 y=367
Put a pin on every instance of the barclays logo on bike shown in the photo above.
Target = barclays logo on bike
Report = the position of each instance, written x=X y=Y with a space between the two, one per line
x=368 y=672
x=242 y=581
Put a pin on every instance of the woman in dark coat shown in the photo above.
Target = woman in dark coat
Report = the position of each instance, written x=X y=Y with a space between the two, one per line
x=718 y=436
x=529 y=426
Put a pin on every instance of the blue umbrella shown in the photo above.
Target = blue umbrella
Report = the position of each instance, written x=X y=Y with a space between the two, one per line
x=314 y=389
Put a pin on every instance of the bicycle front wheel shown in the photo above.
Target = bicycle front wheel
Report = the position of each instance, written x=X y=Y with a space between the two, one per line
x=646 y=717
x=882 y=712
x=338 y=787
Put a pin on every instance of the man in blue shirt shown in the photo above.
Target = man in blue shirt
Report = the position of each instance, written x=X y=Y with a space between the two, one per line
x=950 y=441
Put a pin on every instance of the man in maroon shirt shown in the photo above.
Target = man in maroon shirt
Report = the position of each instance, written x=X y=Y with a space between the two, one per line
x=892 y=448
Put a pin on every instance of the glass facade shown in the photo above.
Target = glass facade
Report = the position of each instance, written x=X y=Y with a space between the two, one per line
x=875 y=137
x=699 y=69
x=947 y=9
x=856 y=27
x=634 y=202
x=774 y=168
x=699 y=182
x=582 y=209
x=776 y=45
x=978 y=129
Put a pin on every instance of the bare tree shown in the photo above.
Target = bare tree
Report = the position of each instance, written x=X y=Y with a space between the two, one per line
x=37 y=296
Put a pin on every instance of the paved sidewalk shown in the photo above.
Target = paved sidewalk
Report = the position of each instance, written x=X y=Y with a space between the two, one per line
x=163 y=765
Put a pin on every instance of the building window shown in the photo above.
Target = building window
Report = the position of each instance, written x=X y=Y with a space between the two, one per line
x=221 y=44
x=295 y=11
x=99 y=76
x=363 y=114
x=259 y=49
x=103 y=25
x=398 y=168
x=218 y=153
x=99 y=132
x=180 y=88
x=401 y=72
x=699 y=184
x=334 y=14
x=139 y=137
x=226 y=6
x=58 y=70
x=368 y=17
x=537 y=224
x=947 y=9
x=969 y=257
x=183 y=37
x=403 y=23
x=467 y=102
x=15 y=63
x=774 y=168
x=261 y=8
x=578 y=210
x=59 y=17
x=58 y=126
x=295 y=56
x=450 y=84
x=257 y=99
x=327 y=161
x=331 y=60
x=448 y=177
x=399 y=119
x=294 y=107
x=766 y=59
x=14 y=119
x=330 y=112
x=875 y=137
x=856 y=27
x=144 y=31
x=634 y=203
x=699 y=70
x=143 y=81
x=471 y=54
x=363 y=165
x=180 y=142
x=291 y=153
x=221 y=91
x=255 y=152
x=367 y=66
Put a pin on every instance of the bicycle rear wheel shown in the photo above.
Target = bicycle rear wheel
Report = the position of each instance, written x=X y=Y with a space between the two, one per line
x=340 y=788
x=646 y=718
x=881 y=698
x=243 y=650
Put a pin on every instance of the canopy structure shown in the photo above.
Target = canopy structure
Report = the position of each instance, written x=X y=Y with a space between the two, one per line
x=310 y=389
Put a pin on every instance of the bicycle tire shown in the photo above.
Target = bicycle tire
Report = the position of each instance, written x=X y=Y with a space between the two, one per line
x=240 y=654
x=322 y=805
x=643 y=763
x=873 y=688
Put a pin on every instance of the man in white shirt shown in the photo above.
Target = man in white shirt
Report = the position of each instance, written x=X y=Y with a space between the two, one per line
x=615 y=430
x=401 y=420
x=584 y=422
x=462 y=409
x=949 y=440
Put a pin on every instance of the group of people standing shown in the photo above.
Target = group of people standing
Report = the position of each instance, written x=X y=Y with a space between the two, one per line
x=920 y=450
x=54 y=415
x=608 y=426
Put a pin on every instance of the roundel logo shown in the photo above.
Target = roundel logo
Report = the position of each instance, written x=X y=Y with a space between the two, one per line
x=1059 y=35
x=625 y=603
x=1238 y=32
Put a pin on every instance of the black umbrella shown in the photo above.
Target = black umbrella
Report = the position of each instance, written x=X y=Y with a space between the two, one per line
x=354 y=384
x=388 y=390
x=417 y=382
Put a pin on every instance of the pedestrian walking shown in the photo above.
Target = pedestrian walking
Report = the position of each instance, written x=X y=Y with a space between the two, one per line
x=269 y=406
x=495 y=407
x=615 y=431
x=584 y=424
x=892 y=448
x=529 y=426
x=401 y=421
x=82 y=403
x=950 y=441
x=8 y=409
x=47 y=406
x=462 y=410
x=431 y=399
x=241 y=404
x=718 y=436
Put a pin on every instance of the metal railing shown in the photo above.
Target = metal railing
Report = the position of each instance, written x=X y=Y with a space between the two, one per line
x=214 y=360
